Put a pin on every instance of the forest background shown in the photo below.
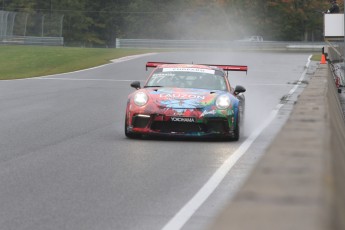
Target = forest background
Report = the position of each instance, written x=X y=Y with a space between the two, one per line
x=98 y=23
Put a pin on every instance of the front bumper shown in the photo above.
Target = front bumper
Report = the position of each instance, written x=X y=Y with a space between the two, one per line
x=162 y=125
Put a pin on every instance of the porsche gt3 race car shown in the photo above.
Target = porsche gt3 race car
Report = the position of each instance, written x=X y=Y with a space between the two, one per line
x=186 y=100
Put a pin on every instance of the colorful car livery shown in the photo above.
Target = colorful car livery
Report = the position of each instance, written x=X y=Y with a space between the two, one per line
x=186 y=100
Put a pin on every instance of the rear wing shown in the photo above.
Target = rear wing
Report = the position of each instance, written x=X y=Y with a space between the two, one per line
x=223 y=67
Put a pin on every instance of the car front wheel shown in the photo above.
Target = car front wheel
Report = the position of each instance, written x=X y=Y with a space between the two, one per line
x=130 y=134
x=236 y=132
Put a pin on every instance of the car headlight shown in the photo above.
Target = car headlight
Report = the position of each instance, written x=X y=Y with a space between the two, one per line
x=140 y=98
x=223 y=102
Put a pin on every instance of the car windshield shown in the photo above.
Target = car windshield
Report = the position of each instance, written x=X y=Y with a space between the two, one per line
x=188 y=78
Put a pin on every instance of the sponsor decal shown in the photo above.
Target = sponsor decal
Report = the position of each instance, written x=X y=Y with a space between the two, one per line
x=181 y=96
x=212 y=112
x=183 y=119
x=195 y=70
x=178 y=113
x=159 y=76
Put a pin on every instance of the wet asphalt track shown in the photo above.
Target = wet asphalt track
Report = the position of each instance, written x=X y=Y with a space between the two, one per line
x=66 y=164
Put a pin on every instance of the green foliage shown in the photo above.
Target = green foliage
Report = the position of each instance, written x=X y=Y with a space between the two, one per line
x=90 y=23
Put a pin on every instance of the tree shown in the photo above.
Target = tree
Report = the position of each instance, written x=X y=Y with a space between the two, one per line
x=97 y=23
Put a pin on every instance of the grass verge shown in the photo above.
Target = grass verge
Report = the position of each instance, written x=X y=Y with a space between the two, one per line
x=18 y=62
x=316 y=57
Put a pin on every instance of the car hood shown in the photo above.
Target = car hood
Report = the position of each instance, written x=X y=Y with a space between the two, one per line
x=183 y=98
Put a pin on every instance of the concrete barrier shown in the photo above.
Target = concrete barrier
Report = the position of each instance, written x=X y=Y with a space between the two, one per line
x=300 y=182
x=221 y=44
x=337 y=151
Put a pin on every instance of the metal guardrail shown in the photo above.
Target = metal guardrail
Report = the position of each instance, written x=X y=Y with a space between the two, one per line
x=204 y=44
x=334 y=51
x=30 y=40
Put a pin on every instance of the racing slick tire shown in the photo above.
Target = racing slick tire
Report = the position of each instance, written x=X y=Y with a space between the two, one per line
x=129 y=134
x=242 y=113
x=236 y=134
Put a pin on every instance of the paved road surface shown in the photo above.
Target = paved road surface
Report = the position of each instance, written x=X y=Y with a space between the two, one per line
x=66 y=164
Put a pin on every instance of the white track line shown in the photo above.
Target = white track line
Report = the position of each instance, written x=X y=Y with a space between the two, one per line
x=128 y=58
x=187 y=211
x=114 y=61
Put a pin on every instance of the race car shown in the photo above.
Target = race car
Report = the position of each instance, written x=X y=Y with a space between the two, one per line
x=186 y=100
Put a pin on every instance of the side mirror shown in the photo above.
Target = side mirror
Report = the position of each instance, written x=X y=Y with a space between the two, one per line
x=239 y=89
x=136 y=85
